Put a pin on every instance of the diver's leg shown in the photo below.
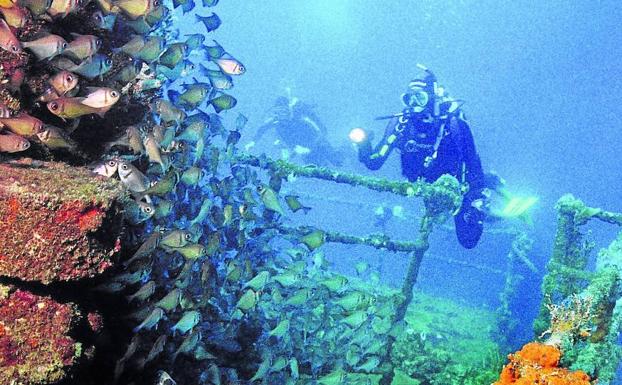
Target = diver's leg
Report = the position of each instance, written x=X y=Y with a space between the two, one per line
x=469 y=222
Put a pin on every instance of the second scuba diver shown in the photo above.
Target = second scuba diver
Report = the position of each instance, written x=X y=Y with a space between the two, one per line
x=300 y=130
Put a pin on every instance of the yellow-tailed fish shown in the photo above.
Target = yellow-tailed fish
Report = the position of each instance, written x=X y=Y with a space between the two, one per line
x=227 y=213
x=211 y=22
x=146 y=248
x=262 y=370
x=137 y=212
x=186 y=5
x=279 y=364
x=104 y=21
x=153 y=151
x=173 y=54
x=381 y=325
x=335 y=283
x=194 y=40
x=217 y=79
x=164 y=378
x=176 y=238
x=168 y=112
x=107 y=7
x=280 y=329
x=194 y=95
x=361 y=267
x=8 y=3
x=293 y=368
x=15 y=17
x=164 y=208
x=354 y=300
x=234 y=271
x=93 y=67
x=136 y=8
x=12 y=143
x=164 y=185
x=134 y=140
x=133 y=46
x=270 y=199
x=63 y=82
x=143 y=293
x=83 y=46
x=62 y=8
x=132 y=177
x=189 y=320
x=23 y=124
x=337 y=377
x=293 y=202
x=46 y=47
x=192 y=176
x=277 y=297
x=55 y=138
x=214 y=52
x=171 y=300
x=356 y=319
x=198 y=153
x=8 y=41
x=299 y=297
x=37 y=7
x=156 y=15
x=213 y=244
x=287 y=278
x=258 y=282
x=248 y=300
x=203 y=212
x=223 y=102
x=156 y=349
x=192 y=251
x=193 y=131
x=72 y=108
x=188 y=344
x=128 y=72
x=314 y=239
x=151 y=321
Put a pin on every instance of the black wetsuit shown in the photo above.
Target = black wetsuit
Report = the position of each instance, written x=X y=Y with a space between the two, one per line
x=430 y=147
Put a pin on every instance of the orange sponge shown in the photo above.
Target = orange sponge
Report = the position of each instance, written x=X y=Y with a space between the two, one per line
x=537 y=363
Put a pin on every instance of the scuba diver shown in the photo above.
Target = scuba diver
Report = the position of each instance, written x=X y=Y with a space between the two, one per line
x=434 y=138
x=301 y=131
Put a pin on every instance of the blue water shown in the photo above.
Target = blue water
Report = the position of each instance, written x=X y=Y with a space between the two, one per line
x=541 y=81
x=542 y=84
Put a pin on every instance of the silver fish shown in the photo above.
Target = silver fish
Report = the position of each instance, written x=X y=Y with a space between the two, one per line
x=132 y=178
x=106 y=168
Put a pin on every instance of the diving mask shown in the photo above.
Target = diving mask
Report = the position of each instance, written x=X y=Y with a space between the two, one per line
x=415 y=98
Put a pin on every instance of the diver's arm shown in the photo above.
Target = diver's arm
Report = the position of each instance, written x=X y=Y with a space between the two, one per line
x=315 y=120
x=375 y=158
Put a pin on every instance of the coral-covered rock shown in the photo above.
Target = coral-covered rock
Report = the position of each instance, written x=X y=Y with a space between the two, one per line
x=57 y=222
x=538 y=364
x=35 y=347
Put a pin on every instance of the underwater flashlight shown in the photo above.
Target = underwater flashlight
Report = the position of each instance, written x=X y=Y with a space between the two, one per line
x=357 y=135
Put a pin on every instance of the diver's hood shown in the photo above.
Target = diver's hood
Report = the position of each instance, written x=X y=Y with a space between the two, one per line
x=421 y=91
